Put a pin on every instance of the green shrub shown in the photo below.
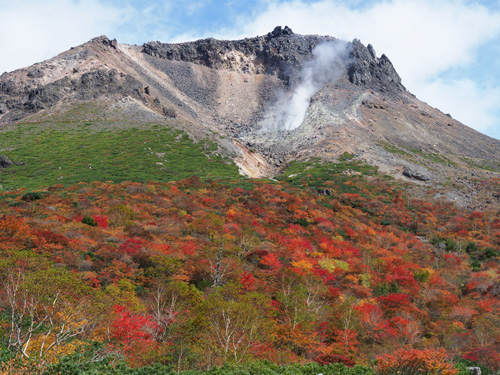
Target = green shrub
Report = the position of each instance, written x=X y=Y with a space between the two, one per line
x=32 y=196
x=302 y=222
x=422 y=275
x=385 y=289
x=89 y=220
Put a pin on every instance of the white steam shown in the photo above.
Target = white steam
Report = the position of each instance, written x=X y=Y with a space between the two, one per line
x=327 y=65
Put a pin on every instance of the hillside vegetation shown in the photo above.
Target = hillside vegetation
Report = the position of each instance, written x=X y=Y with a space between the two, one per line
x=68 y=153
x=194 y=274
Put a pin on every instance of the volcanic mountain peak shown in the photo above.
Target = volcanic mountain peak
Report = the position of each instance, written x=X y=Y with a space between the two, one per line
x=281 y=53
x=284 y=96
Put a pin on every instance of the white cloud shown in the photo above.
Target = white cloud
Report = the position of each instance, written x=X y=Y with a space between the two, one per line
x=471 y=103
x=196 y=6
x=423 y=39
x=32 y=30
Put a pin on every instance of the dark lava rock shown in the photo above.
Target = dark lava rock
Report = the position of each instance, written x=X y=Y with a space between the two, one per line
x=279 y=31
x=36 y=73
x=106 y=41
x=5 y=162
x=324 y=192
x=368 y=70
x=90 y=85
x=43 y=97
x=8 y=87
x=416 y=174
x=169 y=112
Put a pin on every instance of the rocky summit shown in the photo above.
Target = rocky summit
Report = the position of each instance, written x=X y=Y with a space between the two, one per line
x=266 y=101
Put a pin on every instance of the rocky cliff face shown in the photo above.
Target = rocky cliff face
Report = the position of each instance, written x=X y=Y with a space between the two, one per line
x=231 y=88
x=372 y=72
x=281 y=53
x=75 y=75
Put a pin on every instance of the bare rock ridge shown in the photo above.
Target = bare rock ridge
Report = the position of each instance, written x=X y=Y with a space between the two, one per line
x=232 y=90
x=281 y=53
x=19 y=101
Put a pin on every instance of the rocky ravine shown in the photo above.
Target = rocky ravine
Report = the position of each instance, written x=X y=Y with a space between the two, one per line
x=228 y=88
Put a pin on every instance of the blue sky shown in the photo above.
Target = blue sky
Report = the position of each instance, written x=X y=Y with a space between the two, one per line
x=446 y=51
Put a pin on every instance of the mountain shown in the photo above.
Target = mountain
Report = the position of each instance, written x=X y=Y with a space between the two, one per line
x=264 y=101
x=130 y=243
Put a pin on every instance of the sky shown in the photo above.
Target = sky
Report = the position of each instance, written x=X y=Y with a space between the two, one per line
x=447 y=52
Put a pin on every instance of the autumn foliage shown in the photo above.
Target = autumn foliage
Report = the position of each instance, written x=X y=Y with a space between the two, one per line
x=415 y=362
x=195 y=274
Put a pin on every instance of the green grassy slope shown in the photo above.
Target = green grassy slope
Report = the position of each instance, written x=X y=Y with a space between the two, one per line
x=66 y=153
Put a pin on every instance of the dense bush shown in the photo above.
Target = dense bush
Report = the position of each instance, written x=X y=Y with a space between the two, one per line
x=32 y=196
x=89 y=220
x=73 y=365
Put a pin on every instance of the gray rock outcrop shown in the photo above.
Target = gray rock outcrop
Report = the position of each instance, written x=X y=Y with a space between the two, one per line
x=369 y=70
x=416 y=173
x=5 y=162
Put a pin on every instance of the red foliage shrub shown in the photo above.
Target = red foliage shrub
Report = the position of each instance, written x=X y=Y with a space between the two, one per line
x=394 y=301
x=102 y=221
x=127 y=327
x=11 y=226
x=247 y=281
x=188 y=247
x=415 y=362
x=134 y=335
x=51 y=237
x=131 y=246
x=272 y=261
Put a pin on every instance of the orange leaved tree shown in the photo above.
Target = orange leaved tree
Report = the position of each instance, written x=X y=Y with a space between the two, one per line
x=415 y=362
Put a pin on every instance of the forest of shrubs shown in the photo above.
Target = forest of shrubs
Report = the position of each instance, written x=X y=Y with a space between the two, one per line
x=249 y=277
